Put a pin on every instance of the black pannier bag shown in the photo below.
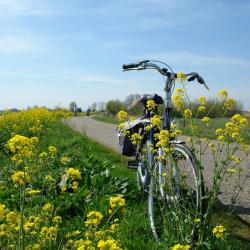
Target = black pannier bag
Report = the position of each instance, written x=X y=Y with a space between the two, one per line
x=125 y=145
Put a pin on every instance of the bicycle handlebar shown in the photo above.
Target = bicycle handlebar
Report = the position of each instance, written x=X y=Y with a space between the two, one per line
x=134 y=65
x=146 y=64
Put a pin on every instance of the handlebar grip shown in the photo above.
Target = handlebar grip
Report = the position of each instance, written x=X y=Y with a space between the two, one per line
x=200 y=80
x=130 y=66
x=192 y=78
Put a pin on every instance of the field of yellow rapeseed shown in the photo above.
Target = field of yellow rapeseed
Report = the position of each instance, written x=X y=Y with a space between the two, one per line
x=43 y=191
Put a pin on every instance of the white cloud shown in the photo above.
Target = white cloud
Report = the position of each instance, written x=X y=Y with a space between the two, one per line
x=189 y=58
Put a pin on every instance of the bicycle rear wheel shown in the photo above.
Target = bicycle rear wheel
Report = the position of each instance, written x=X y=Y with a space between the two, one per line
x=174 y=196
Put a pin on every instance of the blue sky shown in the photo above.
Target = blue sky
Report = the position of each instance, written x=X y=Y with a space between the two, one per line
x=55 y=52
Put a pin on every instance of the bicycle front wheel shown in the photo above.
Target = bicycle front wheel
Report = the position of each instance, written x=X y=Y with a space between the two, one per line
x=174 y=196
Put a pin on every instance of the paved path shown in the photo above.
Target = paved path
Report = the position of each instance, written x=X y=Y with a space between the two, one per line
x=105 y=134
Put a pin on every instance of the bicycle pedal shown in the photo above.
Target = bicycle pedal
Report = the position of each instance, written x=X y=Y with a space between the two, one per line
x=133 y=164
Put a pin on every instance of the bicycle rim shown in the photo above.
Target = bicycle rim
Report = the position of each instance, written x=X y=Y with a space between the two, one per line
x=174 y=199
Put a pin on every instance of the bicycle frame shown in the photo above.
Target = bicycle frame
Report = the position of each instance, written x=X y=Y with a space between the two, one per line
x=150 y=169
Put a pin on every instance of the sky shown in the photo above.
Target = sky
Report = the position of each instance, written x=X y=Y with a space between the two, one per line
x=55 y=52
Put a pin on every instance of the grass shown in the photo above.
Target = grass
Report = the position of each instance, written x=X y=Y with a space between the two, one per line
x=209 y=131
x=205 y=131
x=107 y=119
x=135 y=231
x=136 y=226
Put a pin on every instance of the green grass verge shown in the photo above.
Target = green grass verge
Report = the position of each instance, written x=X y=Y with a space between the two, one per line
x=209 y=131
x=136 y=226
x=205 y=131
x=135 y=231
x=107 y=119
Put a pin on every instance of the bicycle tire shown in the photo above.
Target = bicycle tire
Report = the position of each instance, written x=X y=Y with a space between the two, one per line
x=175 y=199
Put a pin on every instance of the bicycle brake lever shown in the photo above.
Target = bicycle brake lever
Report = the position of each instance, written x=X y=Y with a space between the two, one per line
x=201 y=81
x=206 y=86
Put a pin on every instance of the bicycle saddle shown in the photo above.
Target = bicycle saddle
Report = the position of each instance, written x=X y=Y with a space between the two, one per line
x=144 y=98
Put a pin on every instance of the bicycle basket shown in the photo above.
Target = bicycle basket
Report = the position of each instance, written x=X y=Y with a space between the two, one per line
x=125 y=145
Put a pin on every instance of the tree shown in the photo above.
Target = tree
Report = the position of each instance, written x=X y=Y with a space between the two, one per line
x=79 y=110
x=114 y=106
x=93 y=106
x=102 y=106
x=72 y=106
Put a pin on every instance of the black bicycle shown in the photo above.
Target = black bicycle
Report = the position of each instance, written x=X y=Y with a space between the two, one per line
x=169 y=176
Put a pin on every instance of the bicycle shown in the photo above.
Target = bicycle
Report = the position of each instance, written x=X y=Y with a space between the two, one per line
x=172 y=182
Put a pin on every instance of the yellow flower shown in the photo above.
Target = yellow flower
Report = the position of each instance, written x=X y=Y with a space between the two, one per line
x=33 y=247
x=48 y=208
x=132 y=118
x=151 y=105
x=231 y=171
x=109 y=244
x=20 y=177
x=219 y=131
x=33 y=192
x=221 y=138
x=100 y=234
x=202 y=100
x=197 y=221
x=122 y=115
x=235 y=135
x=205 y=119
x=181 y=76
x=243 y=121
x=49 y=178
x=115 y=225
x=187 y=113
x=116 y=201
x=178 y=102
x=75 y=174
x=179 y=91
x=48 y=233
x=156 y=121
x=222 y=93
x=84 y=245
x=201 y=108
x=76 y=233
x=43 y=155
x=229 y=104
x=2 y=211
x=181 y=247
x=75 y=185
x=135 y=138
x=64 y=160
x=164 y=138
x=212 y=146
x=236 y=118
x=94 y=218
x=21 y=146
x=235 y=159
x=57 y=220
x=122 y=125
x=193 y=128
x=52 y=150
x=219 y=231
x=12 y=218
